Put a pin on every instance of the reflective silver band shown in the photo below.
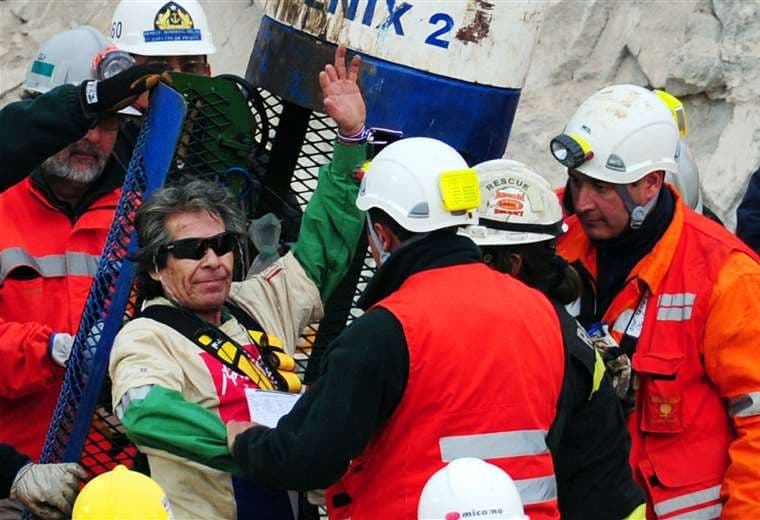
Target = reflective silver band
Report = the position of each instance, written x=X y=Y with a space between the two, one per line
x=137 y=393
x=746 y=405
x=678 y=300
x=674 y=313
x=494 y=445
x=68 y=264
x=687 y=500
x=706 y=513
x=537 y=490
x=675 y=307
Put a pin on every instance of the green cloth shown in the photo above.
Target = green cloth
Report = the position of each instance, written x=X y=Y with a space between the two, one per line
x=164 y=420
x=332 y=224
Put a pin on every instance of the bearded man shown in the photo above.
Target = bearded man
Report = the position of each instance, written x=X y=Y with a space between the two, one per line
x=61 y=157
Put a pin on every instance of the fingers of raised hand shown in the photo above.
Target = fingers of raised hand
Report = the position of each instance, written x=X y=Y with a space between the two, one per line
x=353 y=71
x=332 y=74
x=340 y=61
x=324 y=81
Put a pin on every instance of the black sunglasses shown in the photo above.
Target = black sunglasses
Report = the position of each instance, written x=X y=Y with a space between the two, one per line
x=195 y=248
x=188 y=66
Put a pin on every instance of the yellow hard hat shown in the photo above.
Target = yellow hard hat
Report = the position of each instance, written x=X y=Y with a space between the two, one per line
x=122 y=494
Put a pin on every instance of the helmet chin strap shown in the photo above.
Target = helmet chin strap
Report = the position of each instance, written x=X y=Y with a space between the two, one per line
x=378 y=243
x=636 y=212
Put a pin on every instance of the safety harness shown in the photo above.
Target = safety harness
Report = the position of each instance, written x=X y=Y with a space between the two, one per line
x=274 y=370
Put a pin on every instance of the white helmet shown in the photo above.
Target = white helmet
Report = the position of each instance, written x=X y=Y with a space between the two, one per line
x=518 y=206
x=619 y=135
x=686 y=180
x=470 y=487
x=423 y=184
x=161 y=28
x=65 y=59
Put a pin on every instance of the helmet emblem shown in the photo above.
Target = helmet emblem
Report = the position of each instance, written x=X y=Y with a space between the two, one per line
x=172 y=23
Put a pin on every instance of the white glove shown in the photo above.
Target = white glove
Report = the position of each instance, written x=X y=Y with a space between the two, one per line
x=48 y=490
x=59 y=347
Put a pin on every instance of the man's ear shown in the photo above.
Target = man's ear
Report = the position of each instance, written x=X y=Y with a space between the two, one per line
x=387 y=237
x=652 y=182
x=515 y=262
x=155 y=274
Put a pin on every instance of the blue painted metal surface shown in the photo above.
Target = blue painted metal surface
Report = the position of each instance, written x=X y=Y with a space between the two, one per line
x=475 y=119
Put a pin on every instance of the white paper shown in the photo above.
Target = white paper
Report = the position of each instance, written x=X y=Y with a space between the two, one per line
x=266 y=407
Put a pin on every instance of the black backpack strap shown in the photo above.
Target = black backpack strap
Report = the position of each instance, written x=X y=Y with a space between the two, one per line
x=565 y=402
x=174 y=318
x=245 y=319
x=216 y=343
x=587 y=314
x=276 y=370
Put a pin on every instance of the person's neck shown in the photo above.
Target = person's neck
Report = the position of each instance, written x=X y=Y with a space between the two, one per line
x=65 y=190
x=213 y=317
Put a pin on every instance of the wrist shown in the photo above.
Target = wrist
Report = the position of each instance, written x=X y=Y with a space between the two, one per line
x=88 y=98
x=357 y=136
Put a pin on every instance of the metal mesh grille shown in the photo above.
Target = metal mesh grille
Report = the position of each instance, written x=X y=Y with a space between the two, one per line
x=226 y=136
x=83 y=428
x=109 y=300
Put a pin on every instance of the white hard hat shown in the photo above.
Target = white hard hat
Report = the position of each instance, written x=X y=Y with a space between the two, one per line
x=470 y=487
x=161 y=28
x=619 y=135
x=423 y=184
x=517 y=206
x=65 y=59
x=686 y=180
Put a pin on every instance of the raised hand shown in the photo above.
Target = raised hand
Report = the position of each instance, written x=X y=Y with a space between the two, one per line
x=342 y=98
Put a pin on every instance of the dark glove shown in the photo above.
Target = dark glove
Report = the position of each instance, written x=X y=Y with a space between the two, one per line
x=116 y=92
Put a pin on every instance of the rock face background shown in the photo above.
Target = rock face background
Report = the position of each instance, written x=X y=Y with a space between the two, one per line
x=707 y=52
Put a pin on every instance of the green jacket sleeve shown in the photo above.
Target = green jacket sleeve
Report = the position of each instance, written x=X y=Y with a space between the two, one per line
x=164 y=420
x=34 y=129
x=332 y=224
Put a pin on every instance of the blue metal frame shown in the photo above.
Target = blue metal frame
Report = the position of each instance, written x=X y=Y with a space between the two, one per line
x=109 y=295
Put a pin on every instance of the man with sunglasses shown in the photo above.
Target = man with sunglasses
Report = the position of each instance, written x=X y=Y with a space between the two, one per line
x=180 y=370
x=61 y=171
x=175 y=35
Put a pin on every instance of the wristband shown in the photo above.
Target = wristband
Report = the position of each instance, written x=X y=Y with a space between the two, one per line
x=358 y=137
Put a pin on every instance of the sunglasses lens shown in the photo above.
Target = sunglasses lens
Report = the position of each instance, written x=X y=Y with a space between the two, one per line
x=160 y=63
x=195 y=67
x=195 y=248
x=188 y=248
x=223 y=244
